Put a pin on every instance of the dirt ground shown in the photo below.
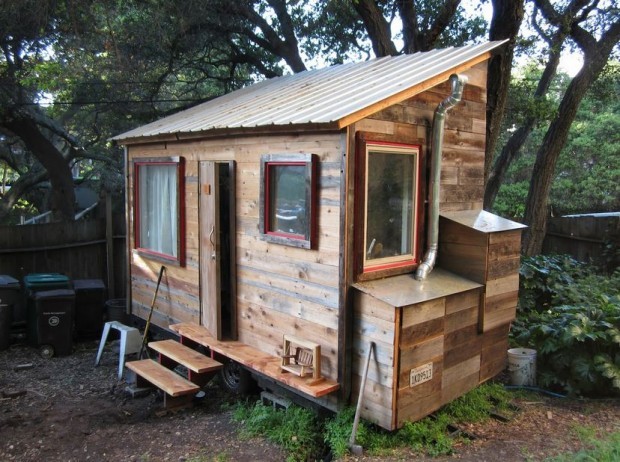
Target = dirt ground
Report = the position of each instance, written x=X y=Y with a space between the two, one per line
x=65 y=409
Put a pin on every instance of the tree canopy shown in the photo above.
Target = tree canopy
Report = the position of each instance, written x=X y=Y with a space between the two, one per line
x=73 y=74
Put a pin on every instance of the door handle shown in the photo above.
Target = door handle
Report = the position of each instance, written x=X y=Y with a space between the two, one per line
x=212 y=243
x=211 y=236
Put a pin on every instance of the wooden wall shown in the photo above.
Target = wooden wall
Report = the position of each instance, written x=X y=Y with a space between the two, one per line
x=462 y=188
x=462 y=172
x=280 y=289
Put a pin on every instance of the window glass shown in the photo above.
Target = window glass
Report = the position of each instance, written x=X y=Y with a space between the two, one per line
x=390 y=185
x=287 y=196
x=389 y=229
x=287 y=199
x=158 y=208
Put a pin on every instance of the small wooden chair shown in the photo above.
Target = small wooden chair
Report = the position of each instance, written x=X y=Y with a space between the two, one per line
x=301 y=358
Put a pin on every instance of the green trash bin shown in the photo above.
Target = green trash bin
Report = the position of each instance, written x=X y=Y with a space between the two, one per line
x=33 y=284
x=36 y=282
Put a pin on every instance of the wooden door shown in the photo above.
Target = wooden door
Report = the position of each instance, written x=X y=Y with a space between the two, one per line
x=210 y=251
x=217 y=248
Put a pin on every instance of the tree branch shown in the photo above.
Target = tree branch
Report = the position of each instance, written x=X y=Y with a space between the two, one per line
x=377 y=27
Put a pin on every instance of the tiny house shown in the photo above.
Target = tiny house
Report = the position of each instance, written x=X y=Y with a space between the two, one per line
x=338 y=210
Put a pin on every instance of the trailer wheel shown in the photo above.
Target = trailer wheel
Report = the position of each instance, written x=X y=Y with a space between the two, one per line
x=236 y=378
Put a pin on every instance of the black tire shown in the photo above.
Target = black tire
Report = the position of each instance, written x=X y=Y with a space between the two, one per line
x=46 y=351
x=236 y=379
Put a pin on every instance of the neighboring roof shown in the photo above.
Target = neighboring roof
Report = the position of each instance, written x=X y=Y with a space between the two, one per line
x=333 y=97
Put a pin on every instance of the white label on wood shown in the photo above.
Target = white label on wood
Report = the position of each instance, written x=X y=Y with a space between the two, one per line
x=421 y=374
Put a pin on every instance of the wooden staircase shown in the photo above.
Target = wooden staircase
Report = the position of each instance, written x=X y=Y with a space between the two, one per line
x=178 y=390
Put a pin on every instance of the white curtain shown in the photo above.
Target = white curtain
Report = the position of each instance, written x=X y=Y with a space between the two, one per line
x=158 y=209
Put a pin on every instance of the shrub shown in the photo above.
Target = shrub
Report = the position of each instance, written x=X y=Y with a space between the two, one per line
x=572 y=318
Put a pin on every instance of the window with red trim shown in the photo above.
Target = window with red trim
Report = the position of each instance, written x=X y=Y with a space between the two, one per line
x=388 y=213
x=287 y=200
x=159 y=208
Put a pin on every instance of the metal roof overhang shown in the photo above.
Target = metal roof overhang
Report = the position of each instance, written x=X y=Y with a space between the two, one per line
x=328 y=99
x=215 y=133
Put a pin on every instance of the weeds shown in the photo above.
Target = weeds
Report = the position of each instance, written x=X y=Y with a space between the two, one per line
x=305 y=436
x=599 y=450
x=296 y=430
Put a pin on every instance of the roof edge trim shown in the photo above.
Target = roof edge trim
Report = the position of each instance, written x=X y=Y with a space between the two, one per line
x=237 y=131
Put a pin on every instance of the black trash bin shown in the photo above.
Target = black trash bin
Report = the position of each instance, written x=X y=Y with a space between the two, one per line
x=6 y=316
x=50 y=321
x=11 y=312
x=89 y=308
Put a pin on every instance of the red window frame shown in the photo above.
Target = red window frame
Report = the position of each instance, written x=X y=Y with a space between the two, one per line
x=365 y=271
x=269 y=162
x=179 y=163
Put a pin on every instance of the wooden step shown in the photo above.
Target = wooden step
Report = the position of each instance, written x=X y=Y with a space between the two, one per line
x=254 y=359
x=185 y=356
x=179 y=391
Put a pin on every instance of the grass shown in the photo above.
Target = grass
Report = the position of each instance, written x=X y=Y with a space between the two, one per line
x=598 y=450
x=304 y=436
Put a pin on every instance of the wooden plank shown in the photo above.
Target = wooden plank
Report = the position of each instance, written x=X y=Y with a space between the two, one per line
x=408 y=394
x=185 y=356
x=419 y=409
x=255 y=360
x=493 y=359
x=422 y=312
x=421 y=353
x=507 y=284
x=462 y=336
x=367 y=306
x=210 y=257
x=418 y=333
x=163 y=378
x=461 y=319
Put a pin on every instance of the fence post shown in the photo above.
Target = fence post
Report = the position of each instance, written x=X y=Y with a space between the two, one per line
x=109 y=238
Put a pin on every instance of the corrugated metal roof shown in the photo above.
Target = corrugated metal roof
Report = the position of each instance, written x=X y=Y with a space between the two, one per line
x=329 y=96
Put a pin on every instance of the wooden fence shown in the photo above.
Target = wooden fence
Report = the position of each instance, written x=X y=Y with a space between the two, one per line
x=585 y=237
x=85 y=249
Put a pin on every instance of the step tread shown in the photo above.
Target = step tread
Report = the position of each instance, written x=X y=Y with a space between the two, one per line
x=185 y=356
x=255 y=360
x=165 y=379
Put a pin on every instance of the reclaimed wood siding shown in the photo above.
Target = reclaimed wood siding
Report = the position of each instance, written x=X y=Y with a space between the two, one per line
x=375 y=321
x=491 y=259
x=462 y=183
x=280 y=289
x=462 y=170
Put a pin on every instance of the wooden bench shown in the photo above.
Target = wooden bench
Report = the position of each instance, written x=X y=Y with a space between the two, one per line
x=253 y=359
x=178 y=391
x=200 y=368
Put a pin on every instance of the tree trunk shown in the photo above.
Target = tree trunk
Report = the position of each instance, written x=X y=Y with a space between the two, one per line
x=511 y=149
x=377 y=27
x=596 y=55
x=505 y=24
x=63 y=194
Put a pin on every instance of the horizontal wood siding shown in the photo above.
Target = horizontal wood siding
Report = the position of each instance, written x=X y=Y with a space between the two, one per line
x=374 y=321
x=462 y=173
x=491 y=259
x=280 y=289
